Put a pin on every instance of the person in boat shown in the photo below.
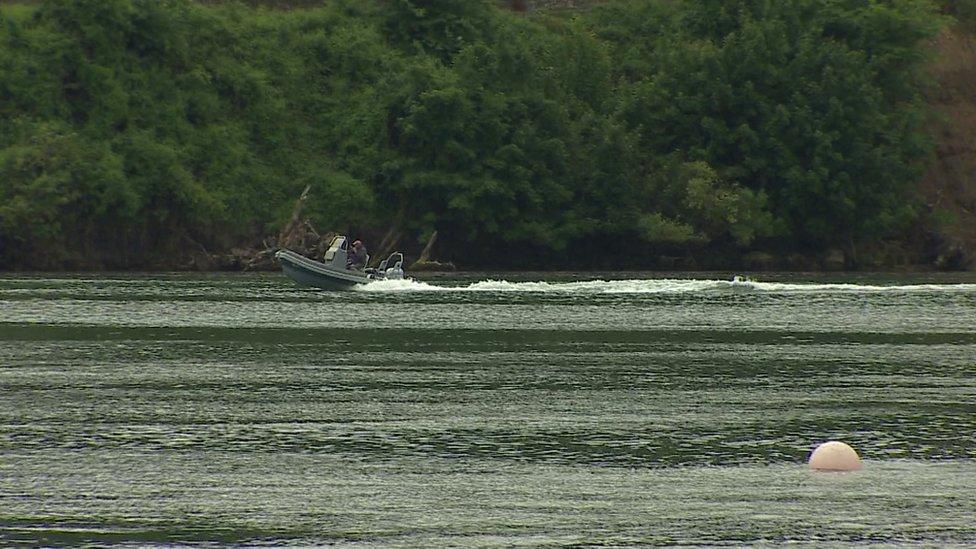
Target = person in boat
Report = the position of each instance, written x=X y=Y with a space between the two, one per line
x=357 y=256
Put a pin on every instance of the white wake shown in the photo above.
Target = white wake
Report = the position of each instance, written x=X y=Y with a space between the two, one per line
x=654 y=286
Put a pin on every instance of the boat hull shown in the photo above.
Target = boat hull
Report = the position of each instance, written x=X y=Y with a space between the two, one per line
x=307 y=272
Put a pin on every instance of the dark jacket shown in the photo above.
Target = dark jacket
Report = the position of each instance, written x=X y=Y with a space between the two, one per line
x=356 y=258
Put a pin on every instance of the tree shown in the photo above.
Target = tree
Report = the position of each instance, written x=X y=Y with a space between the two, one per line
x=816 y=105
x=436 y=27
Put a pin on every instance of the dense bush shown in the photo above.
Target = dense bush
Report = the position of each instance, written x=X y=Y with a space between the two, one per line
x=812 y=104
x=963 y=10
x=131 y=130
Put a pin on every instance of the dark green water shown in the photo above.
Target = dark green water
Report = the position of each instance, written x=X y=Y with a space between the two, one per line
x=245 y=410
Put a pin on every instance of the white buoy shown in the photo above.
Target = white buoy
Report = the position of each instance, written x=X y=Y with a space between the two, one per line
x=834 y=456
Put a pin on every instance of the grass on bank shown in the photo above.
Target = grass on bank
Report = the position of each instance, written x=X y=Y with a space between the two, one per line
x=18 y=12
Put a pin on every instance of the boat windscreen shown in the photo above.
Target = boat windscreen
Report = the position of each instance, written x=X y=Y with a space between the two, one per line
x=338 y=243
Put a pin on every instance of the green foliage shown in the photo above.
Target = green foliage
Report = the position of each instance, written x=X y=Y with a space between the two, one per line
x=698 y=208
x=191 y=103
x=436 y=27
x=60 y=193
x=655 y=227
x=150 y=125
x=814 y=104
x=963 y=10
x=719 y=209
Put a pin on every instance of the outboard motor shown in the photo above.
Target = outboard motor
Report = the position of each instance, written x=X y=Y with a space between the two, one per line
x=396 y=271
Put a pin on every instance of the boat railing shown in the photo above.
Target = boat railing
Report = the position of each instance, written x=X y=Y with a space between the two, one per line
x=386 y=262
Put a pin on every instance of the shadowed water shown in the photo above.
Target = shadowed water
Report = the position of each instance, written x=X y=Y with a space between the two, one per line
x=480 y=411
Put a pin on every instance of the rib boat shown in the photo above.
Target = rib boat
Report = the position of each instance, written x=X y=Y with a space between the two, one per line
x=332 y=273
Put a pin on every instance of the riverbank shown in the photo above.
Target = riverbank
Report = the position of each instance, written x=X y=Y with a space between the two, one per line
x=654 y=135
x=753 y=262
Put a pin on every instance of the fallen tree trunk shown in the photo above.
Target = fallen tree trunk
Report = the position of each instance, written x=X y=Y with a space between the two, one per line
x=425 y=263
x=298 y=235
x=425 y=255
x=386 y=246
x=289 y=233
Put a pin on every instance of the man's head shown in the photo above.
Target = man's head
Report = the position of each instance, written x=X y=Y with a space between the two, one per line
x=357 y=244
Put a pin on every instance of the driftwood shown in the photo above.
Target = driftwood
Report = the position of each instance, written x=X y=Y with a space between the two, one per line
x=425 y=263
x=292 y=232
x=387 y=245
x=298 y=235
x=392 y=238
x=425 y=255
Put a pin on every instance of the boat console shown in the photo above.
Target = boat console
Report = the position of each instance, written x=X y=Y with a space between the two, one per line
x=337 y=254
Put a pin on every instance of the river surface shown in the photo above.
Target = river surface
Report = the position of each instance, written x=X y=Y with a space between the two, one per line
x=487 y=410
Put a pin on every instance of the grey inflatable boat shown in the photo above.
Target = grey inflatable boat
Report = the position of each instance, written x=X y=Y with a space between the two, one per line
x=332 y=273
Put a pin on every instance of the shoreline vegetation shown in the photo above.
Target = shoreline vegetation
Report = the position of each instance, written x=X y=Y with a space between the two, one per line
x=718 y=135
